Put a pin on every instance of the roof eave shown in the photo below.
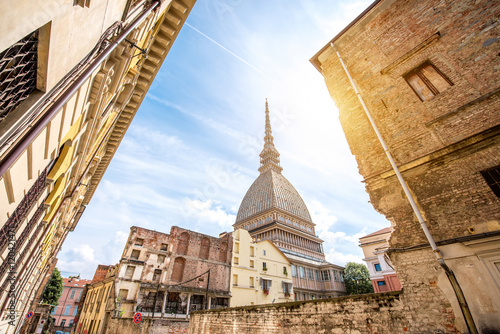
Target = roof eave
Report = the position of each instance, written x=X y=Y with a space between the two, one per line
x=315 y=61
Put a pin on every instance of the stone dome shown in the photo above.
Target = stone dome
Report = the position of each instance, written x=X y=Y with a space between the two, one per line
x=271 y=190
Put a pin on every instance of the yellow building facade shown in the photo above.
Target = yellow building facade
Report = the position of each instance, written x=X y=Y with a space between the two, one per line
x=260 y=273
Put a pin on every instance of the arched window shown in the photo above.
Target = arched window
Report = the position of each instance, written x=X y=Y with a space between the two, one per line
x=268 y=219
x=223 y=252
x=205 y=248
x=182 y=248
x=281 y=219
x=178 y=270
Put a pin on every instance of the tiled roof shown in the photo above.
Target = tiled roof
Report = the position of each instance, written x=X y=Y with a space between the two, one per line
x=382 y=231
x=272 y=190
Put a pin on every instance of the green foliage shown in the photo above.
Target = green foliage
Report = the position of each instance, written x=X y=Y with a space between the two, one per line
x=53 y=289
x=357 y=279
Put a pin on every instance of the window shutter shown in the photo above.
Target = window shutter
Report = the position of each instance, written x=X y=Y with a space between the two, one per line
x=261 y=284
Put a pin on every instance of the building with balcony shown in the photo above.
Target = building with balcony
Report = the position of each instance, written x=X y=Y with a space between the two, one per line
x=273 y=210
x=260 y=272
x=64 y=313
x=162 y=276
x=382 y=272
x=72 y=77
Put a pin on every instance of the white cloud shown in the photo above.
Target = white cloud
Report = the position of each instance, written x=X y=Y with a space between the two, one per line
x=208 y=213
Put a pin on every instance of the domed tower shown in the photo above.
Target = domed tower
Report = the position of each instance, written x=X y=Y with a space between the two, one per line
x=272 y=209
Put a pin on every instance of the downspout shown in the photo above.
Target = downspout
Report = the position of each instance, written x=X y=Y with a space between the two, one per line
x=449 y=273
x=18 y=149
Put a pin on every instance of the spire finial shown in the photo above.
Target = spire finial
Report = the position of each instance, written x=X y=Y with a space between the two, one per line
x=269 y=157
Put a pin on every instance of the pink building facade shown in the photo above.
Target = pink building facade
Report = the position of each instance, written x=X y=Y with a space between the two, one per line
x=64 y=314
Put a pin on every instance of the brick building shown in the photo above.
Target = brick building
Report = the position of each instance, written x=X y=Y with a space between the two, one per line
x=64 y=314
x=70 y=84
x=163 y=276
x=429 y=73
x=382 y=273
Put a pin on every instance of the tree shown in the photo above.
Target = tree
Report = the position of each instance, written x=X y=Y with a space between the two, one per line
x=53 y=289
x=357 y=279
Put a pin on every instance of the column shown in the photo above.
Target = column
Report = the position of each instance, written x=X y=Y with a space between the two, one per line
x=164 y=302
x=188 y=304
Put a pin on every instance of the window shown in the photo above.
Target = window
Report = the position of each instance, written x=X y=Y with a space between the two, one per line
x=281 y=219
x=236 y=260
x=75 y=311
x=309 y=230
x=252 y=251
x=139 y=242
x=204 y=248
x=178 y=269
x=156 y=275
x=63 y=323
x=287 y=288
x=123 y=294
x=252 y=264
x=377 y=267
x=70 y=323
x=302 y=227
x=129 y=273
x=236 y=247
x=135 y=254
x=285 y=272
x=266 y=284
x=18 y=73
x=492 y=178
x=325 y=275
x=260 y=222
x=252 y=225
x=268 y=219
x=302 y=272
x=164 y=247
x=223 y=252
x=246 y=227
x=235 y=280
x=66 y=310
x=251 y=282
x=72 y=295
x=427 y=81
x=341 y=277
x=264 y=252
x=381 y=283
x=183 y=245
x=310 y=274
x=295 y=224
x=318 y=278
x=289 y=222
x=294 y=271
x=336 y=276
x=160 y=258
x=264 y=266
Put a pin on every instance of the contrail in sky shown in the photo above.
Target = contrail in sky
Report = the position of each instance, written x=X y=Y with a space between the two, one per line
x=225 y=49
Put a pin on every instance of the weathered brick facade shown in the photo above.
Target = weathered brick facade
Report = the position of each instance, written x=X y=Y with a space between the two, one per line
x=428 y=72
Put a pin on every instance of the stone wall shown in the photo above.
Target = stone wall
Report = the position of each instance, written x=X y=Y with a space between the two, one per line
x=157 y=326
x=389 y=312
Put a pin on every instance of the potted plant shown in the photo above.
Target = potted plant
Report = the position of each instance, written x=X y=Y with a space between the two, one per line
x=266 y=291
x=285 y=272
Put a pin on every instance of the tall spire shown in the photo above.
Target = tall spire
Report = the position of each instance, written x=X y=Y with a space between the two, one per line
x=269 y=157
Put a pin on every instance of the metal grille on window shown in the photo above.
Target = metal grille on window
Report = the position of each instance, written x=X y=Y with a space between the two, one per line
x=18 y=70
x=492 y=177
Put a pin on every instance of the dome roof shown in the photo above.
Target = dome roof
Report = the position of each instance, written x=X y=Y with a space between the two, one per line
x=272 y=190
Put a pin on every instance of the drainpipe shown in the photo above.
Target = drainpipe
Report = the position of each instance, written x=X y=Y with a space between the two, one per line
x=14 y=154
x=449 y=273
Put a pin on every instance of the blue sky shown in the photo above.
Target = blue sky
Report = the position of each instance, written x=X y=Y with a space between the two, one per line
x=191 y=152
